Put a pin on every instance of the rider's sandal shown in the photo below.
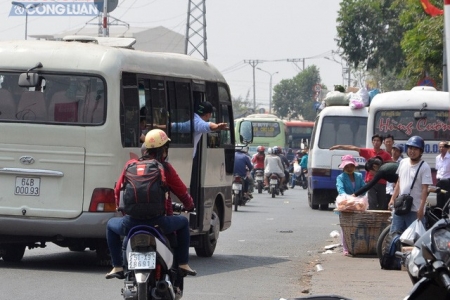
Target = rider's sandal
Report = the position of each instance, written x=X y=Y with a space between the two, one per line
x=189 y=271
x=116 y=274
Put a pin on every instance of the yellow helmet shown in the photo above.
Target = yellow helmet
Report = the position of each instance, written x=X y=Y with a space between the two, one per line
x=155 y=138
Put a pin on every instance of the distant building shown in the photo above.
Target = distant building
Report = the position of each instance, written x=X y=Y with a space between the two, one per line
x=157 y=39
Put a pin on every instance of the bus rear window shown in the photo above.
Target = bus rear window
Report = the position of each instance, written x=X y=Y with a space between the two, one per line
x=402 y=124
x=266 y=129
x=342 y=130
x=60 y=99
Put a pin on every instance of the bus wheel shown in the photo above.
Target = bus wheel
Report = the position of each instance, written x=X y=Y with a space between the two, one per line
x=12 y=253
x=310 y=201
x=324 y=206
x=209 y=240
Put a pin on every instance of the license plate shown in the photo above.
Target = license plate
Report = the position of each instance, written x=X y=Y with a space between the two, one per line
x=139 y=260
x=27 y=186
x=259 y=178
x=237 y=186
x=273 y=181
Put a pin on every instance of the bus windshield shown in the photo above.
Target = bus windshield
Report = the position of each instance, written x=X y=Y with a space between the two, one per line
x=337 y=130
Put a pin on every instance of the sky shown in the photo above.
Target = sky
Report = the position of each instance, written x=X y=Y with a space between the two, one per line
x=280 y=33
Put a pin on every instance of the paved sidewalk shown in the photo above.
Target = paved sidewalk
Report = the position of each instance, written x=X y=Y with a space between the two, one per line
x=357 y=278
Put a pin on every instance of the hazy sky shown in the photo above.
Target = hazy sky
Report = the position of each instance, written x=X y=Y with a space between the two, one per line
x=237 y=30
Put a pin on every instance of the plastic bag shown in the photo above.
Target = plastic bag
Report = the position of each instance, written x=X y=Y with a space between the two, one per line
x=364 y=96
x=297 y=169
x=356 y=104
x=346 y=202
x=336 y=98
x=412 y=233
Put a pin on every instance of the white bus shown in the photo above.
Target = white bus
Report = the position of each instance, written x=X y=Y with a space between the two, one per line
x=69 y=129
x=335 y=125
x=421 y=111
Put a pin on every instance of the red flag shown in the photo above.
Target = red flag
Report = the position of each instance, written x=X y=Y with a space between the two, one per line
x=431 y=9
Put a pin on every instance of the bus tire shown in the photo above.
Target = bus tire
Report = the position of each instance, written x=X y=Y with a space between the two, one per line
x=209 y=239
x=310 y=201
x=324 y=206
x=12 y=253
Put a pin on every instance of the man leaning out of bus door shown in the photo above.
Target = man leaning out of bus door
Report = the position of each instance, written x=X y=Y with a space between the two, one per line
x=377 y=194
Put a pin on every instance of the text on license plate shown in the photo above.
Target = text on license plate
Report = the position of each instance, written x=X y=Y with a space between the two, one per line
x=273 y=181
x=27 y=186
x=139 y=260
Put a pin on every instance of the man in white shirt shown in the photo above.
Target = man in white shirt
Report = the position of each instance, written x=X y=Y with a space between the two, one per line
x=443 y=162
x=406 y=172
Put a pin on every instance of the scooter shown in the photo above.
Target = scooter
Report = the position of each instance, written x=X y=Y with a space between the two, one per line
x=259 y=179
x=274 y=185
x=151 y=270
x=428 y=264
x=301 y=180
x=237 y=192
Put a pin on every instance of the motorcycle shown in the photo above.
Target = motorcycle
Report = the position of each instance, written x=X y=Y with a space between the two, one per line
x=432 y=215
x=274 y=185
x=301 y=180
x=151 y=271
x=259 y=179
x=238 y=192
x=428 y=264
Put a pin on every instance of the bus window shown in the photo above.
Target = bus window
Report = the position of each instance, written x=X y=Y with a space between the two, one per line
x=158 y=102
x=266 y=129
x=335 y=131
x=130 y=111
x=180 y=110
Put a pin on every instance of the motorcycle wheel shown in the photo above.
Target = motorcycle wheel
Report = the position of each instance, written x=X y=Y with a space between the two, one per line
x=273 y=193
x=382 y=242
x=260 y=188
x=235 y=202
x=305 y=185
x=142 y=291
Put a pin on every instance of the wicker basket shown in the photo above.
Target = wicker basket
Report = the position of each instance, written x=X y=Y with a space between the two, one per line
x=361 y=229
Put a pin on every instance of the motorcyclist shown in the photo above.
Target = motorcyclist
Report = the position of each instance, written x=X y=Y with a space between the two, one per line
x=157 y=147
x=273 y=164
x=243 y=165
x=258 y=158
x=277 y=150
x=297 y=159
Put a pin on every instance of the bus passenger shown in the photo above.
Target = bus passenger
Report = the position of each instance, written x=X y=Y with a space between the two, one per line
x=203 y=113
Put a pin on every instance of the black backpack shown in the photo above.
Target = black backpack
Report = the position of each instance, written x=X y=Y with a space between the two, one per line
x=389 y=261
x=144 y=189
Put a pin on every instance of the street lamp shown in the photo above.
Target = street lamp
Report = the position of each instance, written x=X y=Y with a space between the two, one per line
x=270 y=87
x=26 y=8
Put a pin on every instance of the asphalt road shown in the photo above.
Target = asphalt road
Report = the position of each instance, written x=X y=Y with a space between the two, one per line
x=268 y=253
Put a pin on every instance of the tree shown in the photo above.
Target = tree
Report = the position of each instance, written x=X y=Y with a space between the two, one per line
x=369 y=34
x=294 y=98
x=242 y=107
x=422 y=44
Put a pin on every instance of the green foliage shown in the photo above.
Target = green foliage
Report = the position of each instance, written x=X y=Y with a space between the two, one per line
x=294 y=97
x=339 y=88
x=394 y=39
x=242 y=107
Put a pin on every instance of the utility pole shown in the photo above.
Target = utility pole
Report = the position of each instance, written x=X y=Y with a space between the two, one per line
x=253 y=63
x=295 y=60
x=196 y=37
x=270 y=87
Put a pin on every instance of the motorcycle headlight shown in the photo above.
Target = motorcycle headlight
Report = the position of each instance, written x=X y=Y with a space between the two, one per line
x=413 y=269
x=441 y=239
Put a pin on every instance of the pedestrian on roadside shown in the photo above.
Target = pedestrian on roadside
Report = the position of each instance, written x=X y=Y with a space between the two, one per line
x=443 y=173
x=407 y=170
x=377 y=193
x=347 y=183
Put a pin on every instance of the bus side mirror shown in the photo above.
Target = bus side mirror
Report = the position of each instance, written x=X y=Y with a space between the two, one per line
x=246 y=132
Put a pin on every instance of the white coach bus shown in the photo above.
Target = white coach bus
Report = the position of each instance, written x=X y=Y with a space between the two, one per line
x=421 y=111
x=69 y=129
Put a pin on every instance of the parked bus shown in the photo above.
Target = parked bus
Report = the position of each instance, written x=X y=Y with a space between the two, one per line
x=298 y=134
x=268 y=131
x=421 y=111
x=335 y=125
x=70 y=127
